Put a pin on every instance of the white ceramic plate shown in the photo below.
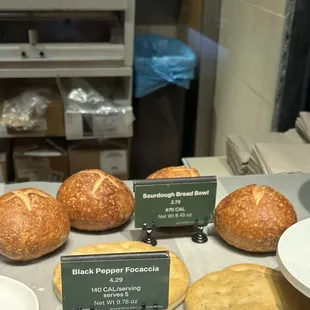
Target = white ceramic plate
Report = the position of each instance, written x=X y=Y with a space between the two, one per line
x=16 y=295
x=294 y=256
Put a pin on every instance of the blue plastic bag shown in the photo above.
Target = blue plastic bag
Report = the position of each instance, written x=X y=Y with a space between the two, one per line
x=160 y=61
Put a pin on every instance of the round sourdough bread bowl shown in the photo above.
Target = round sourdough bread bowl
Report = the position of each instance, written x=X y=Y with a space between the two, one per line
x=174 y=172
x=253 y=218
x=33 y=223
x=96 y=201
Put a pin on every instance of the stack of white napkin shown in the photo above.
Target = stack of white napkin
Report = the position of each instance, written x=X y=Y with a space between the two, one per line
x=276 y=158
x=238 y=149
x=302 y=125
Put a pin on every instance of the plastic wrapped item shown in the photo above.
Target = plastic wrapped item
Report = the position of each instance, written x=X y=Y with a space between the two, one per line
x=92 y=110
x=160 y=61
x=25 y=111
x=83 y=98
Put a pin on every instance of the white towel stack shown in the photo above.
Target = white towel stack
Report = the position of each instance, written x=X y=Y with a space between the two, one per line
x=302 y=125
x=238 y=149
x=277 y=158
x=237 y=152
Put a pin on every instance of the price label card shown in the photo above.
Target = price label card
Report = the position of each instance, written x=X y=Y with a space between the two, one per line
x=116 y=281
x=110 y=126
x=174 y=202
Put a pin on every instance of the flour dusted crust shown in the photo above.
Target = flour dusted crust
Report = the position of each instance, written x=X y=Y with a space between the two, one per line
x=96 y=200
x=33 y=223
x=179 y=276
x=253 y=218
x=174 y=172
x=245 y=287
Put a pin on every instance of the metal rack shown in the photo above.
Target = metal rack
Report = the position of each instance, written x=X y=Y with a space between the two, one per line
x=38 y=59
x=66 y=69
x=71 y=5
x=28 y=55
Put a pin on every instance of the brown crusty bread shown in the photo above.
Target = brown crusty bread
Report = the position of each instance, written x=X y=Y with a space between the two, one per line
x=33 y=223
x=174 y=172
x=96 y=200
x=179 y=276
x=253 y=218
x=245 y=287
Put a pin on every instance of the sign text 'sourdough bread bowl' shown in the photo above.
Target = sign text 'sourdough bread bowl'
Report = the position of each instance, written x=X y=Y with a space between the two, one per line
x=33 y=223
x=96 y=200
x=178 y=277
x=245 y=287
x=174 y=172
x=253 y=218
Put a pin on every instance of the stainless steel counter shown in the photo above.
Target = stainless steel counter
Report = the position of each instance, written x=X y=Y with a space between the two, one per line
x=212 y=256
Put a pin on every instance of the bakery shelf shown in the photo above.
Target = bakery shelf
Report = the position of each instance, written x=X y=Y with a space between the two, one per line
x=109 y=36
x=5 y=134
x=59 y=69
x=39 y=5
x=62 y=52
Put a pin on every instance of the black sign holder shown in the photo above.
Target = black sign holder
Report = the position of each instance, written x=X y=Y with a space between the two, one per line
x=155 y=307
x=199 y=236
x=149 y=238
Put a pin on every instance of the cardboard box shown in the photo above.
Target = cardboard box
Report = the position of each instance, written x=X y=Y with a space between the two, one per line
x=111 y=156
x=88 y=126
x=39 y=160
x=51 y=124
x=81 y=125
x=4 y=166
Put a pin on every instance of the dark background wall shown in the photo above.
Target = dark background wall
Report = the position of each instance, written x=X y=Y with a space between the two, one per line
x=157 y=11
x=295 y=96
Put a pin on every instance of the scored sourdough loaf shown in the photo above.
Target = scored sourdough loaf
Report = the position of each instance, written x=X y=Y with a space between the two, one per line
x=33 y=223
x=178 y=278
x=96 y=200
x=245 y=287
x=253 y=218
x=174 y=172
